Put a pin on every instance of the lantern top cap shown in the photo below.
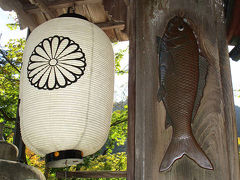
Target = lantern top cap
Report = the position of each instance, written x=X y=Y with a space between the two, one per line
x=73 y=14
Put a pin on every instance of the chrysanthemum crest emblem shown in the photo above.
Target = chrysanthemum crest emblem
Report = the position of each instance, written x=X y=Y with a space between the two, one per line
x=56 y=62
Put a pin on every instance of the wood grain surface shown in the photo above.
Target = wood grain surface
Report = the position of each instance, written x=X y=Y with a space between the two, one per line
x=131 y=95
x=92 y=174
x=214 y=126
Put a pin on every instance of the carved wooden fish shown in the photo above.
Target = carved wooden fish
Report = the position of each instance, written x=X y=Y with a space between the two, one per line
x=181 y=90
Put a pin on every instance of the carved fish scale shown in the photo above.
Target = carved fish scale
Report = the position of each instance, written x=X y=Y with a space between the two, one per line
x=184 y=80
x=179 y=88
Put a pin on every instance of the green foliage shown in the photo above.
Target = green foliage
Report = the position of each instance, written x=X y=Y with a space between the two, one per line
x=12 y=26
x=35 y=160
x=111 y=162
x=15 y=24
x=118 y=57
x=10 y=64
x=118 y=130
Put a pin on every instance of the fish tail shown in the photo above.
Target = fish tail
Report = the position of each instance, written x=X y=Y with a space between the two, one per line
x=187 y=146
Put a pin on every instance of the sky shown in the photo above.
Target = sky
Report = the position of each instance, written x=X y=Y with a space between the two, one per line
x=121 y=81
x=235 y=72
x=6 y=18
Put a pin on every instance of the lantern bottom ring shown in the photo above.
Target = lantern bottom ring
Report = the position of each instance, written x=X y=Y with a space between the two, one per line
x=60 y=159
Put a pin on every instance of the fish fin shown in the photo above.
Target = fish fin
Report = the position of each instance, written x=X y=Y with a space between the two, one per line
x=168 y=121
x=160 y=43
x=203 y=70
x=161 y=93
x=166 y=65
x=165 y=56
x=186 y=146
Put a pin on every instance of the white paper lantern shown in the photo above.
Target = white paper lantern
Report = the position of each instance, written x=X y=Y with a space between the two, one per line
x=66 y=89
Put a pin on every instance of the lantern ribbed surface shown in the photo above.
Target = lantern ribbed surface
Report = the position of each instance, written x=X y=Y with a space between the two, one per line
x=66 y=87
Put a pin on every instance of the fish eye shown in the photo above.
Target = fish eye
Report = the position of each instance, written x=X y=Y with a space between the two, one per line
x=180 y=28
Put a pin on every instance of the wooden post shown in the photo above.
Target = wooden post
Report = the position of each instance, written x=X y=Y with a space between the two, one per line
x=214 y=126
x=131 y=94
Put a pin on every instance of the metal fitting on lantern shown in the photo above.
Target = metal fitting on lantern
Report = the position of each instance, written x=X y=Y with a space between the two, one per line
x=73 y=14
x=61 y=158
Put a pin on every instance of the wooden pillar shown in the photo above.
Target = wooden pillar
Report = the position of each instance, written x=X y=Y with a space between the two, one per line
x=17 y=140
x=214 y=126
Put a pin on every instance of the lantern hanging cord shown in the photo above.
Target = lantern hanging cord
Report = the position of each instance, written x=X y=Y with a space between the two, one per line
x=72 y=8
x=71 y=13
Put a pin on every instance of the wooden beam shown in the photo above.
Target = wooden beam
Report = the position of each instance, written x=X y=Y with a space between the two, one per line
x=92 y=174
x=61 y=4
x=44 y=8
x=111 y=34
x=111 y=25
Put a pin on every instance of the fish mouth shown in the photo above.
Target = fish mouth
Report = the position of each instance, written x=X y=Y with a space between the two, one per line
x=176 y=24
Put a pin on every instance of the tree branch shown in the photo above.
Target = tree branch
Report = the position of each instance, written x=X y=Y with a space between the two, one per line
x=5 y=57
x=118 y=122
x=6 y=117
x=12 y=79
